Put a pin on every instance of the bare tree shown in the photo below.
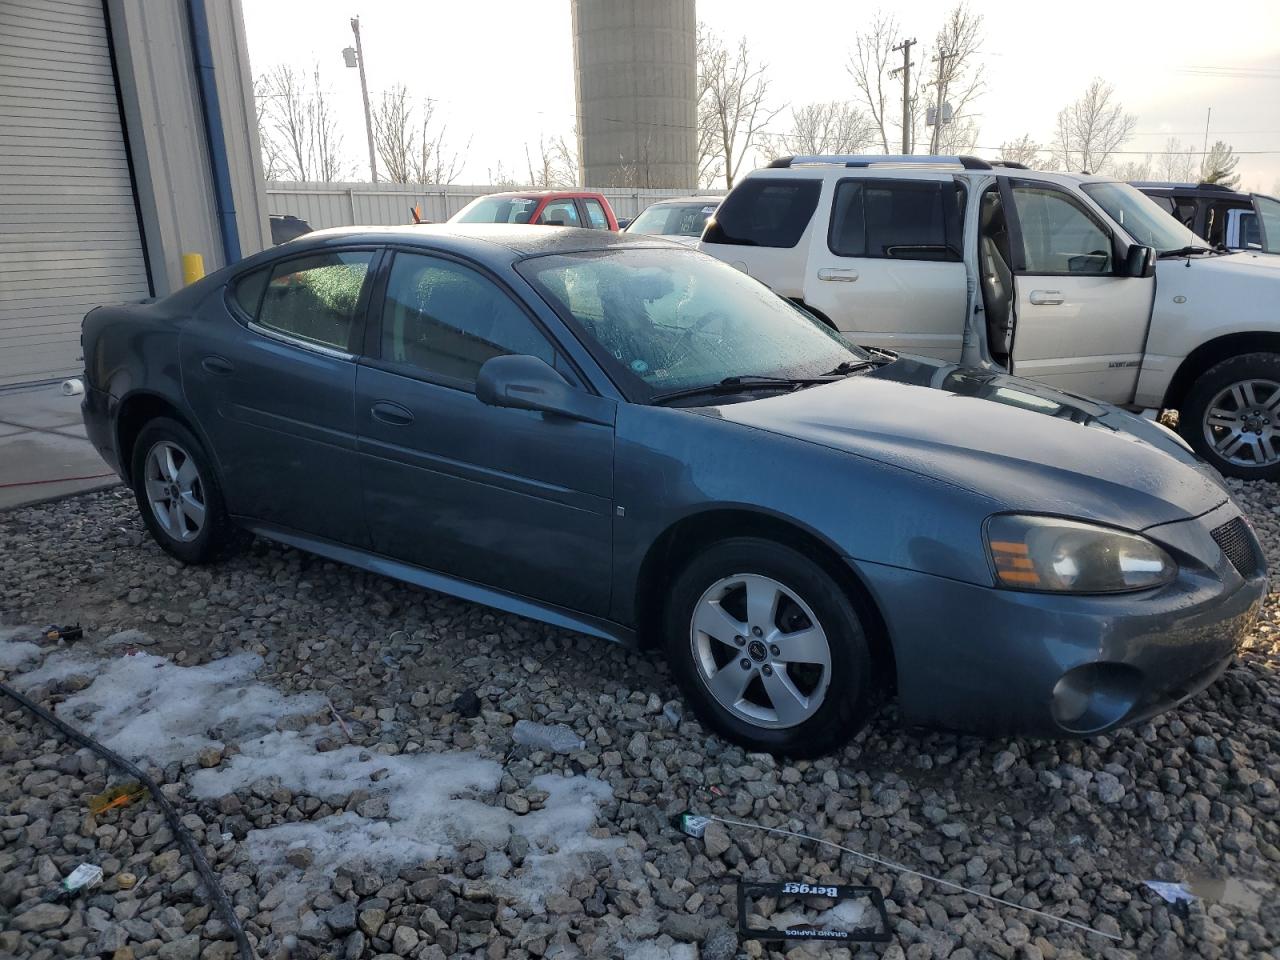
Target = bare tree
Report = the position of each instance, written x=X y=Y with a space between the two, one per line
x=501 y=179
x=1089 y=132
x=868 y=65
x=1176 y=162
x=825 y=128
x=1024 y=150
x=1144 y=169
x=300 y=125
x=556 y=165
x=268 y=148
x=1219 y=166
x=393 y=130
x=412 y=150
x=955 y=81
x=710 y=163
x=736 y=90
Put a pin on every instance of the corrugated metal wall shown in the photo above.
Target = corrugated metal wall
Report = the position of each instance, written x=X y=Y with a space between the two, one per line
x=69 y=234
x=386 y=204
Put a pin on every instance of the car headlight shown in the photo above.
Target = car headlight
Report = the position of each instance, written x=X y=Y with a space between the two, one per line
x=1064 y=556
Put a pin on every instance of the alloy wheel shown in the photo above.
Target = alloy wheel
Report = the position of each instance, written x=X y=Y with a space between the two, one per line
x=175 y=491
x=1242 y=423
x=760 y=650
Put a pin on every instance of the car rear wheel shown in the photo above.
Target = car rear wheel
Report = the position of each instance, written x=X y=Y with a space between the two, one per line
x=1232 y=416
x=178 y=493
x=771 y=652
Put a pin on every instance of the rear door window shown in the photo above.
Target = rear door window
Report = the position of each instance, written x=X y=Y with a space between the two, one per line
x=596 y=218
x=317 y=298
x=898 y=219
x=561 y=213
x=765 y=212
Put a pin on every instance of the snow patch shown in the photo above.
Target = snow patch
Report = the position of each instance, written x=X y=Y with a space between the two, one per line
x=14 y=653
x=146 y=707
x=435 y=804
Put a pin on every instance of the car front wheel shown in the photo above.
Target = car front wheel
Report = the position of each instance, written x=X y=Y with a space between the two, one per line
x=769 y=649
x=178 y=493
x=1231 y=416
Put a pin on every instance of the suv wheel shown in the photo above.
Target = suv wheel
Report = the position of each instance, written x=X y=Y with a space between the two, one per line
x=1232 y=416
x=178 y=493
x=769 y=649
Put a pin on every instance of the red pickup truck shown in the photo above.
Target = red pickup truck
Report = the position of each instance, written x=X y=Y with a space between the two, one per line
x=558 y=208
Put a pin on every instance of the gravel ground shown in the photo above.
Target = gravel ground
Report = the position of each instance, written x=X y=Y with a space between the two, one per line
x=506 y=840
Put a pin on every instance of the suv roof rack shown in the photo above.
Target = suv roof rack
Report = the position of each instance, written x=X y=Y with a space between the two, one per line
x=1012 y=164
x=866 y=160
x=1182 y=185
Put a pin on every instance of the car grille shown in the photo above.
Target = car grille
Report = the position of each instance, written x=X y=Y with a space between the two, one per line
x=1237 y=543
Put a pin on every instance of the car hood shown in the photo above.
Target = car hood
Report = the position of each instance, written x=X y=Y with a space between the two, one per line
x=1026 y=446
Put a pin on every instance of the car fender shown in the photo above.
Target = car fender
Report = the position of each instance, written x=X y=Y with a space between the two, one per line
x=1202 y=299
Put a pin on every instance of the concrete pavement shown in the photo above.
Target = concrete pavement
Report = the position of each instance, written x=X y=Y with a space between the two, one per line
x=43 y=449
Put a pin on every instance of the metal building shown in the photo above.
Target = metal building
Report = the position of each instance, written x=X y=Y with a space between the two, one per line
x=636 y=80
x=126 y=139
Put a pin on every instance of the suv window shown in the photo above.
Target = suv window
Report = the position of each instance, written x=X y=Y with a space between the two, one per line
x=595 y=214
x=898 y=219
x=561 y=212
x=1057 y=235
x=446 y=319
x=316 y=298
x=765 y=212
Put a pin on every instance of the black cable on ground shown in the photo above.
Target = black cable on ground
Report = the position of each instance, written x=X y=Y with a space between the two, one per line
x=216 y=893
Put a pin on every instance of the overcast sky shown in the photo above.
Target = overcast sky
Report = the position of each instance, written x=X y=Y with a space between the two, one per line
x=501 y=71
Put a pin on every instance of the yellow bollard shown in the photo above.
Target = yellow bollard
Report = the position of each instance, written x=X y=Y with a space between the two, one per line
x=192 y=268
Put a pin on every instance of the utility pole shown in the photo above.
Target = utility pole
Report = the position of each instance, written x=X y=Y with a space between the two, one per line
x=905 y=46
x=934 y=138
x=364 y=90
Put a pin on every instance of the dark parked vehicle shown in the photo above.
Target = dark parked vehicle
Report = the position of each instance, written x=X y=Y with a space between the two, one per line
x=639 y=442
x=1224 y=217
x=286 y=227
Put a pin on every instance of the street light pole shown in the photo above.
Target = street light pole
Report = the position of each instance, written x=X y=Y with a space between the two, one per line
x=364 y=91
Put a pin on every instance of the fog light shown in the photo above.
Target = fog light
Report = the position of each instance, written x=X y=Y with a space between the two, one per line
x=1094 y=696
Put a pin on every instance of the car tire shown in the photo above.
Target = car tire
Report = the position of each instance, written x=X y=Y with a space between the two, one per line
x=1237 y=402
x=793 y=696
x=178 y=494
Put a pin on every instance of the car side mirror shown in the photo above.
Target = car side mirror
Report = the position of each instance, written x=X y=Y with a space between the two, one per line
x=1140 y=261
x=528 y=383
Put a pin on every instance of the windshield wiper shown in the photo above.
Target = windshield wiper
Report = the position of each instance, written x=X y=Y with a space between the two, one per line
x=747 y=382
x=846 y=367
x=1182 y=252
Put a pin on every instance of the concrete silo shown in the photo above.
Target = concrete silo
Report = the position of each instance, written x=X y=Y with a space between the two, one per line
x=636 y=81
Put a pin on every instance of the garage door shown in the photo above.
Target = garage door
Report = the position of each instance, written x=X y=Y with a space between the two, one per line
x=69 y=235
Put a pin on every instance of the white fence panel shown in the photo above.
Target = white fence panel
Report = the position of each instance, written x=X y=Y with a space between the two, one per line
x=387 y=204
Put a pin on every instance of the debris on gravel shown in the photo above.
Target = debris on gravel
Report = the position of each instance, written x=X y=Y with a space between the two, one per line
x=378 y=771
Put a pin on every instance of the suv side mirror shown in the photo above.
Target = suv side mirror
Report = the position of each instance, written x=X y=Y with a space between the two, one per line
x=528 y=383
x=1139 y=261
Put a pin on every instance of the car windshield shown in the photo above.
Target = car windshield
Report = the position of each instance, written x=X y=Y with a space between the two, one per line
x=497 y=210
x=1143 y=219
x=667 y=320
x=673 y=219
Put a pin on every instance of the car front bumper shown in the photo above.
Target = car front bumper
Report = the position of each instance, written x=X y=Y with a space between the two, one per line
x=999 y=662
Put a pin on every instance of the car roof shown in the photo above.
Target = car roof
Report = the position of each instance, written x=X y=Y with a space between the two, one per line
x=1205 y=189
x=689 y=199
x=925 y=167
x=541 y=193
x=491 y=242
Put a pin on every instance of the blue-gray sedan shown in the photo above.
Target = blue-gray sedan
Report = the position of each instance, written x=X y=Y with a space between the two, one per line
x=636 y=441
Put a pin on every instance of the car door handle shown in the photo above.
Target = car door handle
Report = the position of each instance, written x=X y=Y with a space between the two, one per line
x=391 y=413
x=1046 y=298
x=839 y=274
x=218 y=366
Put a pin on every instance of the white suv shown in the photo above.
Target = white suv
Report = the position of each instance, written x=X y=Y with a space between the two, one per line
x=1075 y=280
